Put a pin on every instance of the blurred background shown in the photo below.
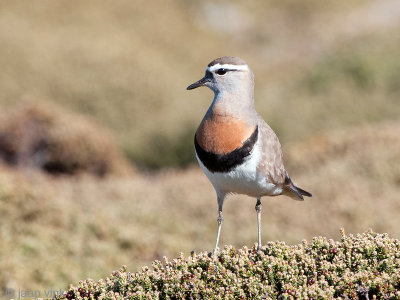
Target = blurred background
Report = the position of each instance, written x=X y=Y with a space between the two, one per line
x=97 y=166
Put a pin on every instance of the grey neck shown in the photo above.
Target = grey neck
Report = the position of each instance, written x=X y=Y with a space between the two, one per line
x=238 y=104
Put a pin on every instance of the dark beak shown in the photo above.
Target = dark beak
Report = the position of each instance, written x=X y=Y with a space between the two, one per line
x=207 y=78
x=201 y=82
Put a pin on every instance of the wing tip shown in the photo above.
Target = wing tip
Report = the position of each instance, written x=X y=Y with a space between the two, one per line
x=289 y=185
x=303 y=192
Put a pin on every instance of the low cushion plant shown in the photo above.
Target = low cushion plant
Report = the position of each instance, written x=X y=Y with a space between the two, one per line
x=362 y=266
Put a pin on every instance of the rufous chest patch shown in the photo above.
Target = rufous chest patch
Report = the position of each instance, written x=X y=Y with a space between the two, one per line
x=221 y=134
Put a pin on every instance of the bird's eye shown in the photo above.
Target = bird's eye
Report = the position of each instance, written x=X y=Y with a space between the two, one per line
x=221 y=71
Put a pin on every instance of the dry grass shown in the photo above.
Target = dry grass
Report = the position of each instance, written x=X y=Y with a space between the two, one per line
x=84 y=227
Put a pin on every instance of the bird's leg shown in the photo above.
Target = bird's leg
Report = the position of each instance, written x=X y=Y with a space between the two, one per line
x=258 y=210
x=219 y=220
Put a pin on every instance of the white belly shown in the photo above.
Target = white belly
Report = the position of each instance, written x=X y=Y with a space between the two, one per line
x=243 y=179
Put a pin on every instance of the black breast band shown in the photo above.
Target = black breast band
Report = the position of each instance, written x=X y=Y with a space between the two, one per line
x=226 y=162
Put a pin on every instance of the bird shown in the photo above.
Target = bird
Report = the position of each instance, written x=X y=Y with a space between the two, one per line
x=236 y=149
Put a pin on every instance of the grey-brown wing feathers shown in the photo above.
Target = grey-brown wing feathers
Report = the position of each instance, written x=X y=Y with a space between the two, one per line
x=272 y=163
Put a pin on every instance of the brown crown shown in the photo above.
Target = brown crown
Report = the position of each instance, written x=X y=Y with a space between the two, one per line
x=232 y=60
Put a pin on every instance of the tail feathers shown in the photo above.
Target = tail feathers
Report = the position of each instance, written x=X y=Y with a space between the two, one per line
x=293 y=191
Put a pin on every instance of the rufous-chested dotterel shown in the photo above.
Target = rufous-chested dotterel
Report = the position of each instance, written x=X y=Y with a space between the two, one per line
x=235 y=147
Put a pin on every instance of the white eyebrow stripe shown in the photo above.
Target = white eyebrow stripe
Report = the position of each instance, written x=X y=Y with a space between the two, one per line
x=228 y=67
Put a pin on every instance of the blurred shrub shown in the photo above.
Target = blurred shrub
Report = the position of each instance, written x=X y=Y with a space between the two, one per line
x=333 y=70
x=364 y=266
x=47 y=137
x=164 y=151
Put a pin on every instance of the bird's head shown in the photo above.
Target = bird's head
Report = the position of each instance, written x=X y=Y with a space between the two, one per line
x=226 y=75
